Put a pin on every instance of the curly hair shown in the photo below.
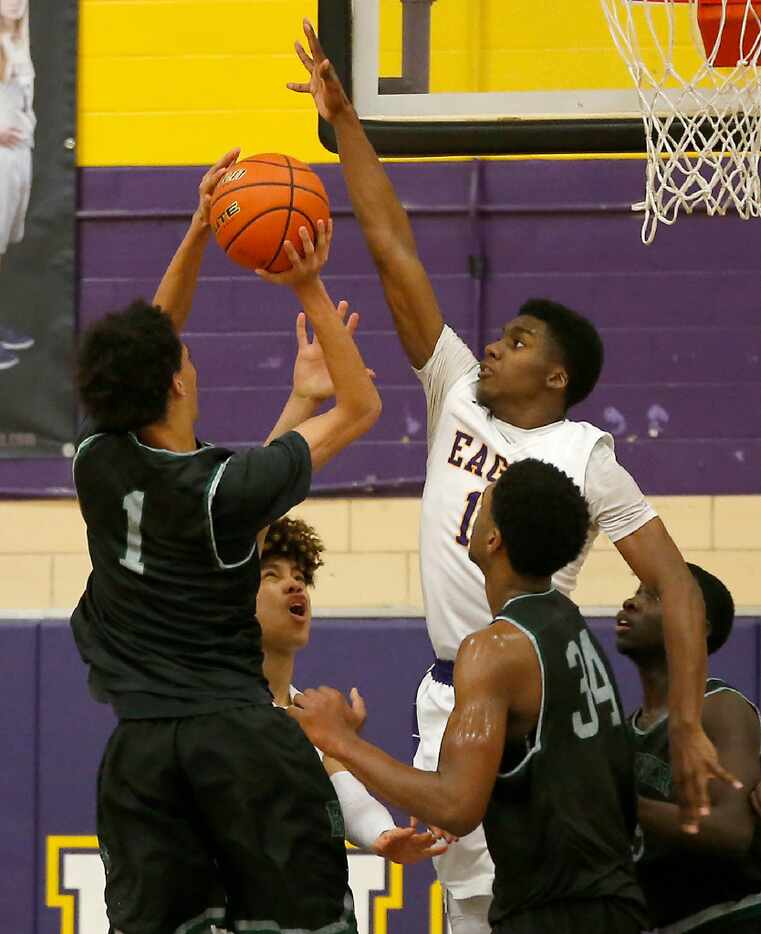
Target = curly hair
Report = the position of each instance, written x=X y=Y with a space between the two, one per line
x=296 y=541
x=125 y=367
x=580 y=345
x=541 y=515
x=720 y=607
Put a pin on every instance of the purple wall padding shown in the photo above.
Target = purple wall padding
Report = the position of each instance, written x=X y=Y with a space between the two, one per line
x=18 y=773
x=54 y=734
x=681 y=389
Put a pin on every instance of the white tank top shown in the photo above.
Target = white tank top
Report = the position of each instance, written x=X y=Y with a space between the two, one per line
x=467 y=450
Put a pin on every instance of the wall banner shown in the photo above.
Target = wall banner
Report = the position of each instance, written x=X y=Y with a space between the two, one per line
x=38 y=68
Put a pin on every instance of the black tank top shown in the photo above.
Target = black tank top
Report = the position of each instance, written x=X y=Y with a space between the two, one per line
x=678 y=882
x=562 y=815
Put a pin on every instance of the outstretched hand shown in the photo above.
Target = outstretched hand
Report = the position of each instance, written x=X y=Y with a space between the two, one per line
x=306 y=268
x=209 y=182
x=327 y=719
x=404 y=845
x=311 y=377
x=694 y=762
x=324 y=84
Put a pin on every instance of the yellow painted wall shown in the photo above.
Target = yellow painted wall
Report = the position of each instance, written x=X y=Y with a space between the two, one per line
x=372 y=560
x=177 y=82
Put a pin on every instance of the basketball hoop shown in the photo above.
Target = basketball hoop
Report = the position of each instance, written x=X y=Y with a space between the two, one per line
x=702 y=114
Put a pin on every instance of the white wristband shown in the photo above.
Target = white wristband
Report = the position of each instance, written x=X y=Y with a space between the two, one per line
x=364 y=817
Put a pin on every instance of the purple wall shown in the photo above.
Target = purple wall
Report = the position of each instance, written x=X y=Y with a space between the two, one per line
x=681 y=389
x=53 y=735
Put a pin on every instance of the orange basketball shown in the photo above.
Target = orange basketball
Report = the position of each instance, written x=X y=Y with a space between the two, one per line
x=260 y=203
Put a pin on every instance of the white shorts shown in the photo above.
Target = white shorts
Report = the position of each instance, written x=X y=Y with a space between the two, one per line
x=466 y=868
x=15 y=187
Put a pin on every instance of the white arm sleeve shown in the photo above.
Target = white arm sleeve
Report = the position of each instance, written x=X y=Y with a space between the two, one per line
x=364 y=817
x=450 y=361
x=616 y=503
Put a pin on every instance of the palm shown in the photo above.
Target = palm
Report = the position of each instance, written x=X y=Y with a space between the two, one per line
x=311 y=377
x=400 y=845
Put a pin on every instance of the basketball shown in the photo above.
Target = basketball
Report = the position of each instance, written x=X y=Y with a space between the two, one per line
x=262 y=202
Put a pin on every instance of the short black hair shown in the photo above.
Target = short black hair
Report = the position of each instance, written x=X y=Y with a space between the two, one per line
x=720 y=607
x=125 y=367
x=579 y=343
x=296 y=541
x=541 y=515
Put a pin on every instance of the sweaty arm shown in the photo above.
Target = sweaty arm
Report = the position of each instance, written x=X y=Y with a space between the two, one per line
x=733 y=726
x=496 y=676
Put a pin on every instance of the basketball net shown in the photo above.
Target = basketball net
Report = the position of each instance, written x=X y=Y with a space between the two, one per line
x=702 y=127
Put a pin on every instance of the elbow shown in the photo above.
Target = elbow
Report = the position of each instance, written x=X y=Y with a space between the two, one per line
x=459 y=818
x=364 y=415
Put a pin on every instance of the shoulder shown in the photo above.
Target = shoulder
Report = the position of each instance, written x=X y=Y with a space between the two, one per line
x=724 y=707
x=502 y=651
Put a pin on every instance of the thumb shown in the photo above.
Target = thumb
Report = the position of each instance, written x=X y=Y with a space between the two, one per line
x=358 y=704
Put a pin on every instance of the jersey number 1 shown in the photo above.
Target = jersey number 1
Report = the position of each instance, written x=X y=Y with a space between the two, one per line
x=133 y=506
x=595 y=686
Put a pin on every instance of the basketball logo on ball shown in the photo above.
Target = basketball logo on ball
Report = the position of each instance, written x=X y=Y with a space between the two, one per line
x=262 y=202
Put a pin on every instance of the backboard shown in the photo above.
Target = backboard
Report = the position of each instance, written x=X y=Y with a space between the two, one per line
x=480 y=77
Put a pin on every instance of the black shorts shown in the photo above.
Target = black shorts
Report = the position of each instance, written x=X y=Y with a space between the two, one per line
x=226 y=819
x=588 y=916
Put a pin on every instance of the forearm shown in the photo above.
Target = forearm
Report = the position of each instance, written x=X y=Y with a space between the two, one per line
x=355 y=392
x=176 y=290
x=425 y=794
x=296 y=410
x=721 y=832
x=684 y=635
x=376 y=205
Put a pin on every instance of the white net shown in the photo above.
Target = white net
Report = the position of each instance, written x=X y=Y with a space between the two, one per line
x=695 y=64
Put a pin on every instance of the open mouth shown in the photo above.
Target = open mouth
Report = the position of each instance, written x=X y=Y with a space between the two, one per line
x=622 y=624
x=298 y=608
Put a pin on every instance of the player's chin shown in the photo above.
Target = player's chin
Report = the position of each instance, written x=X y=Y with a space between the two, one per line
x=483 y=395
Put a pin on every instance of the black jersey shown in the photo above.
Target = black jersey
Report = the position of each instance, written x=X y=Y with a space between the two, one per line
x=562 y=815
x=679 y=882
x=167 y=622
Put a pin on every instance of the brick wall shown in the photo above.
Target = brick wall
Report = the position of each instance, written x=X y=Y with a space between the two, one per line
x=372 y=558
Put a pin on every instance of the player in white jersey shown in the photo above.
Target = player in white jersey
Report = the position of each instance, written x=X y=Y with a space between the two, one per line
x=512 y=406
x=17 y=124
x=290 y=556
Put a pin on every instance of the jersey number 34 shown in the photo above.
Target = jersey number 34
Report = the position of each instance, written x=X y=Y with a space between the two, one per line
x=596 y=688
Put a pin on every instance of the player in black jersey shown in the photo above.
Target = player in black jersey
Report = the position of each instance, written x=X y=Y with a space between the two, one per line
x=711 y=882
x=212 y=804
x=536 y=746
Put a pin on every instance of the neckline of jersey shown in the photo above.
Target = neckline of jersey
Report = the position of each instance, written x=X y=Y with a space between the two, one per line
x=509 y=427
x=524 y=596
x=139 y=443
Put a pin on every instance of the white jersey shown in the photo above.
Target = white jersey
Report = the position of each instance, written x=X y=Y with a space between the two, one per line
x=467 y=450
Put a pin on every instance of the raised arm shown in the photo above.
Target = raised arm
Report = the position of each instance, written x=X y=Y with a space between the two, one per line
x=654 y=558
x=494 y=670
x=357 y=403
x=381 y=216
x=174 y=295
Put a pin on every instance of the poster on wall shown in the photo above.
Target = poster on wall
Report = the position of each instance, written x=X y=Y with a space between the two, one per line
x=38 y=45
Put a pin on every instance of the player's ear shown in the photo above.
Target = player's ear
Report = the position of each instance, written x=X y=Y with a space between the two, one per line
x=557 y=378
x=178 y=387
x=494 y=540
